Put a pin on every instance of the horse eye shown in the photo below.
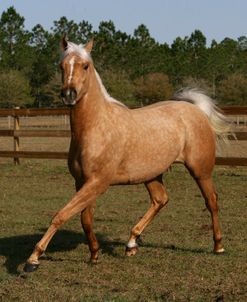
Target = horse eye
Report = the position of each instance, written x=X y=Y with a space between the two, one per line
x=85 y=66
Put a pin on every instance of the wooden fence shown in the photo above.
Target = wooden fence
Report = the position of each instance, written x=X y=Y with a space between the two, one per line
x=16 y=133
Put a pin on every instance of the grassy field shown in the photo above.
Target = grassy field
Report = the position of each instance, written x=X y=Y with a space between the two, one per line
x=175 y=261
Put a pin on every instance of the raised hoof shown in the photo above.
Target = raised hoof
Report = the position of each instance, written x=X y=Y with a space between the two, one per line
x=131 y=251
x=29 y=268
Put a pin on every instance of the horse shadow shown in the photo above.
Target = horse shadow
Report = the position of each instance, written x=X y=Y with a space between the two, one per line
x=17 y=249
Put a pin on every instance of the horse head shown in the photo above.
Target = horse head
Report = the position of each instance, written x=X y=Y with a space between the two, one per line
x=76 y=65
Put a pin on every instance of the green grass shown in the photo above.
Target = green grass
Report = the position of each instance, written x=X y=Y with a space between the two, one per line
x=174 y=263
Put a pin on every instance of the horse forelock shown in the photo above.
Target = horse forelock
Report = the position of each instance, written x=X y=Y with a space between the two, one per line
x=78 y=50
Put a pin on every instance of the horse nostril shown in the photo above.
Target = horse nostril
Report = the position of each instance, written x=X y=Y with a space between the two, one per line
x=69 y=96
x=73 y=94
x=62 y=94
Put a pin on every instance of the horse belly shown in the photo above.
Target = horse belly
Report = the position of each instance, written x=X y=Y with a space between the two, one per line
x=146 y=161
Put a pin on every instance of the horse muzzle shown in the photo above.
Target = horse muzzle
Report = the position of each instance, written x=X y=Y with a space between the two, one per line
x=69 y=96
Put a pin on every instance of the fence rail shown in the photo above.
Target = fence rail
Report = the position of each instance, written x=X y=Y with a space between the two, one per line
x=16 y=133
x=34 y=112
x=35 y=133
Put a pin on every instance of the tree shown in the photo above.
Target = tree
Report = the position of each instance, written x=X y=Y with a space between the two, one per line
x=85 y=31
x=242 y=42
x=46 y=58
x=198 y=54
x=119 y=86
x=142 y=36
x=180 y=60
x=242 y=55
x=78 y=33
x=40 y=75
x=152 y=88
x=233 y=90
x=14 y=41
x=106 y=52
x=39 y=37
x=14 y=89
x=141 y=53
x=51 y=92
x=64 y=26
x=121 y=57
x=189 y=57
x=223 y=60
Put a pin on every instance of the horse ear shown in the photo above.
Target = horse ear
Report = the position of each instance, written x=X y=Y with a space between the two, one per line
x=89 y=46
x=64 y=42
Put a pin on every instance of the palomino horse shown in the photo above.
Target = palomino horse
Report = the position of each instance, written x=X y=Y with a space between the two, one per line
x=111 y=144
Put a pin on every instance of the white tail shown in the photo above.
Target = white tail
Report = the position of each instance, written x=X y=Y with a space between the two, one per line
x=218 y=121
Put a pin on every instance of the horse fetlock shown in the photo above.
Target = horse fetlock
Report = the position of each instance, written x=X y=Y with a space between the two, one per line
x=94 y=249
x=218 y=248
x=94 y=258
x=131 y=248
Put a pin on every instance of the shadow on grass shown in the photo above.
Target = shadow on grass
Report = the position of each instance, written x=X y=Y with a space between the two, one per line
x=17 y=249
x=172 y=247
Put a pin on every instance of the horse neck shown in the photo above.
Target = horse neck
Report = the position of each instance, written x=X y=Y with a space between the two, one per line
x=89 y=108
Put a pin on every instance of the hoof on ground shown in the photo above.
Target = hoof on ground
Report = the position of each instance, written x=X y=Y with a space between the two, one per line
x=93 y=261
x=29 y=268
x=131 y=251
x=219 y=251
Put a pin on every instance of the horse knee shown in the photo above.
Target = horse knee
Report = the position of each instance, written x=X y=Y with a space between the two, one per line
x=57 y=220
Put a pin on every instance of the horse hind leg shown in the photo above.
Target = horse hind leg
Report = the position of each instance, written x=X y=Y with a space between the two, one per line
x=159 y=198
x=208 y=191
x=205 y=183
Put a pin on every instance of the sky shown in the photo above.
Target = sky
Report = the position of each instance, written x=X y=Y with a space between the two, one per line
x=165 y=19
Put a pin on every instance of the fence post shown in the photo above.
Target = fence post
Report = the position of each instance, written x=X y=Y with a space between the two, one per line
x=16 y=138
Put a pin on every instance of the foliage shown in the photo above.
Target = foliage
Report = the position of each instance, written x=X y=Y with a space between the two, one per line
x=233 y=88
x=119 y=56
x=119 y=86
x=14 y=89
x=198 y=83
x=51 y=92
x=15 y=53
x=153 y=87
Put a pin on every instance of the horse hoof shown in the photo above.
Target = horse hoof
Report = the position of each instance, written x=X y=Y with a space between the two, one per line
x=219 y=251
x=29 y=268
x=93 y=261
x=131 y=251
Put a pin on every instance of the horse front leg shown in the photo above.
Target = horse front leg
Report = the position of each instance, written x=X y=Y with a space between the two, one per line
x=84 y=198
x=159 y=198
x=87 y=225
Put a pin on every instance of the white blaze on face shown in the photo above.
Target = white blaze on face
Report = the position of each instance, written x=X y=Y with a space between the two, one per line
x=71 y=63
